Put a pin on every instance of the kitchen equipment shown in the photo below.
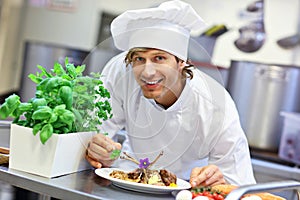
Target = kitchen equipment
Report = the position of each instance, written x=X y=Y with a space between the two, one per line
x=289 y=148
x=252 y=37
x=215 y=31
x=4 y=133
x=261 y=92
x=4 y=141
x=289 y=41
x=256 y=6
x=263 y=187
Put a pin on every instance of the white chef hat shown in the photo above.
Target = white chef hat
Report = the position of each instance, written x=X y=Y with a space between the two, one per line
x=166 y=27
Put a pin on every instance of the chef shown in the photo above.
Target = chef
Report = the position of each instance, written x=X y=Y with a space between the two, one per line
x=163 y=104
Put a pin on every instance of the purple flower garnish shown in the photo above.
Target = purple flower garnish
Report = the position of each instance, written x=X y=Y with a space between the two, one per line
x=144 y=163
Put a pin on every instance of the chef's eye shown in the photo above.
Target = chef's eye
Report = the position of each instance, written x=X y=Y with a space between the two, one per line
x=159 y=58
x=138 y=59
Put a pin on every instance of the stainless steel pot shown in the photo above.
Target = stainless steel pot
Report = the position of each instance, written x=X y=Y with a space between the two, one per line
x=260 y=92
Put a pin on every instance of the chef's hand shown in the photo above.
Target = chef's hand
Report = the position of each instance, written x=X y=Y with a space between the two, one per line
x=209 y=175
x=99 y=150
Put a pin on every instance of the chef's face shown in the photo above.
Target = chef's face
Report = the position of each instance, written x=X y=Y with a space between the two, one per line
x=159 y=74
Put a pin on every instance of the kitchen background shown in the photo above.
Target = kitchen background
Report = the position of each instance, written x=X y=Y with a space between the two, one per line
x=251 y=47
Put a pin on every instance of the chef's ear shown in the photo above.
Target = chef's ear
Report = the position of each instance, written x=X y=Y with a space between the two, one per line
x=181 y=63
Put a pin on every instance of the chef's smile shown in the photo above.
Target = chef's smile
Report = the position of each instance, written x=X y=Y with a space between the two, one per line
x=152 y=84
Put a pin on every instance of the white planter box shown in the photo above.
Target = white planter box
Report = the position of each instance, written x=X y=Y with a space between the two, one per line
x=61 y=154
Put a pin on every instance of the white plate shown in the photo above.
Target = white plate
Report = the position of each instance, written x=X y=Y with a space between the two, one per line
x=140 y=187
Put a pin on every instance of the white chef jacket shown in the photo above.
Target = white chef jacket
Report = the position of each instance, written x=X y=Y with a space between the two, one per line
x=202 y=127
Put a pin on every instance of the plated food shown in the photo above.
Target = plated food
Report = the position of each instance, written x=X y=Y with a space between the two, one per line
x=141 y=187
x=147 y=176
x=144 y=174
x=144 y=178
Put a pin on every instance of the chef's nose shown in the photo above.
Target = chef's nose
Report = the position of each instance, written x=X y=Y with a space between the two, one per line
x=149 y=69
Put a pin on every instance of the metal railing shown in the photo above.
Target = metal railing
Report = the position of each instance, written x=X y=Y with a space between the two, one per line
x=264 y=187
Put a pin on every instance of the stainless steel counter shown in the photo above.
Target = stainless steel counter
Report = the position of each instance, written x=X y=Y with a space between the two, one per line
x=85 y=185
x=267 y=171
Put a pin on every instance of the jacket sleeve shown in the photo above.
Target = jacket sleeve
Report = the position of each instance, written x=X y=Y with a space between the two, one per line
x=230 y=151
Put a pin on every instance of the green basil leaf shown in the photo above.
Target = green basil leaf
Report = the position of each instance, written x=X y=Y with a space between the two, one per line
x=46 y=133
x=37 y=127
x=42 y=113
x=8 y=107
x=65 y=93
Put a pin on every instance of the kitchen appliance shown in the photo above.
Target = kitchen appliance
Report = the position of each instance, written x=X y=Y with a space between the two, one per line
x=289 y=148
x=261 y=92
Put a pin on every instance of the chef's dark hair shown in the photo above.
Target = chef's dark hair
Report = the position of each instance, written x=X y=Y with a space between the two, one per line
x=186 y=72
